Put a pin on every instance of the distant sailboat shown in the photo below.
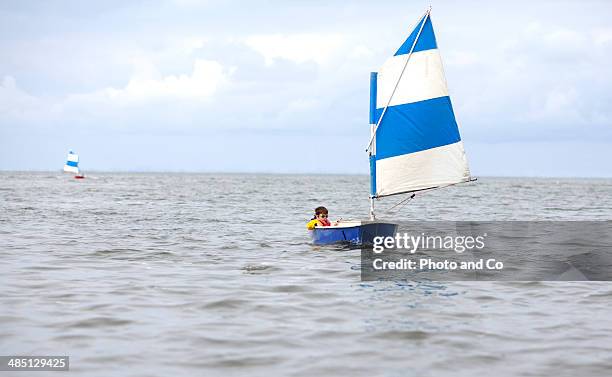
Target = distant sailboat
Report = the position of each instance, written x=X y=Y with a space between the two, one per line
x=72 y=165
x=414 y=138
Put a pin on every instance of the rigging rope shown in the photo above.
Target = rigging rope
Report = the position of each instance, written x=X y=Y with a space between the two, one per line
x=403 y=203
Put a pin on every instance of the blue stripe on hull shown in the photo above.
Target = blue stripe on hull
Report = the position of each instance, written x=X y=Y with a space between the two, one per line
x=416 y=127
x=357 y=235
x=427 y=39
x=331 y=235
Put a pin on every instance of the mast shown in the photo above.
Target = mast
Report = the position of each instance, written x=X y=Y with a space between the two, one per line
x=372 y=151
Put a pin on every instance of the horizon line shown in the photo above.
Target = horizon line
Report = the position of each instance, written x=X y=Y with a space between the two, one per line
x=280 y=173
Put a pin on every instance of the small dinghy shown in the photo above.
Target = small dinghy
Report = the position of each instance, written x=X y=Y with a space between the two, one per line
x=72 y=165
x=352 y=232
x=414 y=138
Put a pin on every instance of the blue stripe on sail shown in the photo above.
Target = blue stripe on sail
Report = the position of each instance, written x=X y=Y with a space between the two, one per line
x=72 y=163
x=415 y=127
x=427 y=39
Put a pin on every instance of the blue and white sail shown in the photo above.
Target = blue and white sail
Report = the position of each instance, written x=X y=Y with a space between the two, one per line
x=415 y=143
x=72 y=163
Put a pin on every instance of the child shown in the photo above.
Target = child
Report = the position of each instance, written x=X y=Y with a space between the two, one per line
x=320 y=218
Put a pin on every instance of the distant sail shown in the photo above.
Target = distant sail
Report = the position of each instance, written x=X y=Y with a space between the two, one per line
x=72 y=163
x=417 y=145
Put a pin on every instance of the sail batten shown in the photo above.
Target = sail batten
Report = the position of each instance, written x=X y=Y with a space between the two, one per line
x=417 y=144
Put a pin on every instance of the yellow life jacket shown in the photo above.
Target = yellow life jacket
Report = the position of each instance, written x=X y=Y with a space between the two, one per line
x=317 y=222
x=311 y=224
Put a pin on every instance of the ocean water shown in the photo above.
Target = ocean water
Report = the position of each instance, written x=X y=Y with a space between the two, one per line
x=213 y=274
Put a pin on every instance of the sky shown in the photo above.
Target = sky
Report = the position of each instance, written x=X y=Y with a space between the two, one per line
x=283 y=86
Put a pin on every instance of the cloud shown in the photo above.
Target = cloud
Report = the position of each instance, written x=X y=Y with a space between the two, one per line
x=298 y=48
x=201 y=69
x=148 y=99
x=206 y=78
x=603 y=36
x=15 y=103
x=543 y=82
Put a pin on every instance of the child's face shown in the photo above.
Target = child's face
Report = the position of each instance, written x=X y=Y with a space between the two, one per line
x=322 y=216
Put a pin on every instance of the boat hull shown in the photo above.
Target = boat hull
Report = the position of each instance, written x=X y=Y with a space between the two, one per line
x=353 y=232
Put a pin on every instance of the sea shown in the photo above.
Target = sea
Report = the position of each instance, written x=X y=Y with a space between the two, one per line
x=180 y=274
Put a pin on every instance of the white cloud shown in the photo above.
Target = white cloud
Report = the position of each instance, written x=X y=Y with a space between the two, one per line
x=297 y=108
x=14 y=102
x=559 y=105
x=146 y=89
x=545 y=76
x=361 y=51
x=147 y=84
x=193 y=43
x=298 y=48
x=602 y=36
x=461 y=58
x=205 y=80
x=541 y=75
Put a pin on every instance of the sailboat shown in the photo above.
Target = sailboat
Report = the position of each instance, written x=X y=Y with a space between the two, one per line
x=414 y=138
x=72 y=165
